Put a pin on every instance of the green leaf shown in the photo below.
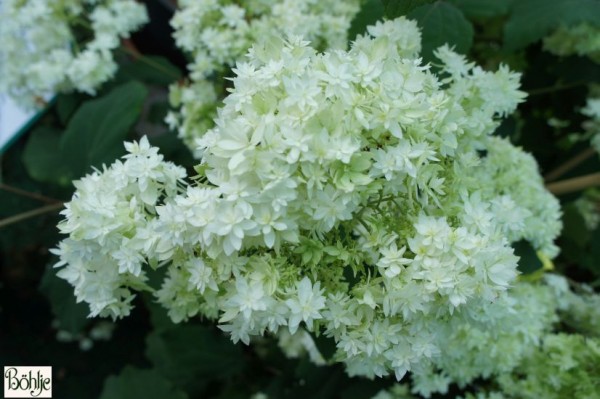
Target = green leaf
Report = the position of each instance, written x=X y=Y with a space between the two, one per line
x=483 y=8
x=529 y=262
x=189 y=355
x=71 y=315
x=363 y=388
x=173 y=149
x=150 y=69
x=531 y=20
x=96 y=132
x=326 y=346
x=443 y=23
x=319 y=382
x=137 y=383
x=41 y=157
x=397 y=8
x=66 y=104
x=371 y=12
x=574 y=228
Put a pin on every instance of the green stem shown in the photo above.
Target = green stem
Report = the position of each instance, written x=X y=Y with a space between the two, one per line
x=558 y=87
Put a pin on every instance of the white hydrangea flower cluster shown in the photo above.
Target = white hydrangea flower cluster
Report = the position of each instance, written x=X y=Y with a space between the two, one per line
x=565 y=365
x=511 y=343
x=578 y=309
x=492 y=341
x=582 y=39
x=51 y=46
x=339 y=192
x=218 y=33
x=111 y=221
x=525 y=209
x=592 y=125
x=588 y=206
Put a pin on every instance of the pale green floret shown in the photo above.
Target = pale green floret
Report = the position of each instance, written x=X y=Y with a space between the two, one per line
x=582 y=39
x=592 y=125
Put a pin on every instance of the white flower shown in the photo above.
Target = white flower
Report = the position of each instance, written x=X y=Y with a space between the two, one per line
x=391 y=260
x=304 y=304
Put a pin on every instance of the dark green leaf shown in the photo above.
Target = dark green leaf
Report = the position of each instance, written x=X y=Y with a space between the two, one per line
x=397 y=8
x=483 y=8
x=529 y=262
x=173 y=149
x=150 y=69
x=531 y=20
x=158 y=314
x=41 y=157
x=326 y=346
x=363 y=388
x=443 y=23
x=189 y=355
x=574 y=228
x=137 y=383
x=371 y=12
x=66 y=104
x=71 y=315
x=96 y=132
x=319 y=382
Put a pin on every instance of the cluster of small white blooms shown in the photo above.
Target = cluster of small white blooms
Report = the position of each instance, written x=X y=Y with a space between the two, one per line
x=519 y=202
x=493 y=340
x=330 y=197
x=592 y=125
x=218 y=33
x=111 y=222
x=524 y=208
x=195 y=107
x=581 y=310
x=588 y=206
x=505 y=342
x=481 y=92
x=564 y=366
x=51 y=46
x=582 y=39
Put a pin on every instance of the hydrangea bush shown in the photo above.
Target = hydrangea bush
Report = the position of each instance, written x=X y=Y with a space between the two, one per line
x=358 y=218
x=354 y=193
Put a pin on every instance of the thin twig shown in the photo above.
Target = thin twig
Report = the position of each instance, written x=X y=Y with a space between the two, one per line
x=551 y=89
x=29 y=194
x=570 y=164
x=29 y=214
x=574 y=184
